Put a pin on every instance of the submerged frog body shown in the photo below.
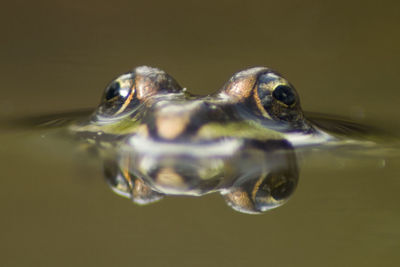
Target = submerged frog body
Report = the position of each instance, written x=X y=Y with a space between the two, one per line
x=157 y=139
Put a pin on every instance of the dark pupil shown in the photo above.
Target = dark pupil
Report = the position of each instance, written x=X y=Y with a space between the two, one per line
x=284 y=94
x=112 y=91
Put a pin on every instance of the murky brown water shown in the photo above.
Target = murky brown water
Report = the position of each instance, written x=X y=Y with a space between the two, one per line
x=56 y=210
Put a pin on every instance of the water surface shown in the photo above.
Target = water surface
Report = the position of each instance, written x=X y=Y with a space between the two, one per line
x=56 y=56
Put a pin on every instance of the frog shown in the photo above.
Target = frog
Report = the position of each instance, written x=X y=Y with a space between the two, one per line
x=240 y=141
x=155 y=139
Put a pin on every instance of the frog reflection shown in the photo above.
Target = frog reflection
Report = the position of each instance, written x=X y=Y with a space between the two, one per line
x=165 y=141
x=253 y=178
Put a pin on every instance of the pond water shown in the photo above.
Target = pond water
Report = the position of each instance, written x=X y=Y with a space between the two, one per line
x=58 y=56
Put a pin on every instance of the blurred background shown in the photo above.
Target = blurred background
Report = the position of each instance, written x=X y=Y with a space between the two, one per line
x=57 y=56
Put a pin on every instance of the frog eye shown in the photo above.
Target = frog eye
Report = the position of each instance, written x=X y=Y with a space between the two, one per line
x=119 y=96
x=273 y=88
x=266 y=93
x=115 y=90
x=124 y=95
x=276 y=98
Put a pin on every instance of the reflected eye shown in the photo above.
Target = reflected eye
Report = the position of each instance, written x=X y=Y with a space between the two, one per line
x=267 y=192
x=116 y=180
x=129 y=186
x=284 y=94
x=275 y=189
x=261 y=195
